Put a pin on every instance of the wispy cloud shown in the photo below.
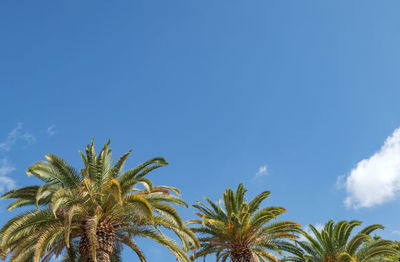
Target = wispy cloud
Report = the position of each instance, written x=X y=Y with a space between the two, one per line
x=50 y=130
x=262 y=171
x=16 y=134
x=28 y=137
x=375 y=180
x=11 y=138
x=6 y=168
x=396 y=232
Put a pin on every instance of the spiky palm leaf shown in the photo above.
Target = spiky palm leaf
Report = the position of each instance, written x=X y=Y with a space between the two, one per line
x=241 y=231
x=100 y=206
x=336 y=243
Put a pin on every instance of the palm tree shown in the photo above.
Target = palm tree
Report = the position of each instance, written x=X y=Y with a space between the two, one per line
x=335 y=244
x=100 y=207
x=241 y=231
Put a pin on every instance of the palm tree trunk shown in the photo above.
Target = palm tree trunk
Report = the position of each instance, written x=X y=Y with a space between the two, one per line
x=243 y=255
x=102 y=256
x=105 y=237
x=242 y=259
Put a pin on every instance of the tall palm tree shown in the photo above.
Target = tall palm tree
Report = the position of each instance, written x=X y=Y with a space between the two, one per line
x=335 y=243
x=240 y=231
x=100 y=206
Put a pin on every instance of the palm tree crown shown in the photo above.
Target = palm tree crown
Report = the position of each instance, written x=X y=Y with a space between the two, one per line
x=241 y=231
x=335 y=244
x=99 y=207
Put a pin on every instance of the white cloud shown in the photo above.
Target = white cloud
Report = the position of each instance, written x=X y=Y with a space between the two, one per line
x=11 y=138
x=341 y=182
x=6 y=183
x=308 y=230
x=262 y=171
x=375 y=180
x=50 y=130
x=396 y=232
x=14 y=135
x=5 y=167
x=28 y=137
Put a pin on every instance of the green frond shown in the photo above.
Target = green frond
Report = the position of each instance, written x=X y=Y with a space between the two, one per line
x=254 y=204
x=113 y=188
x=369 y=229
x=139 y=202
x=168 y=210
x=166 y=242
x=157 y=198
x=332 y=243
x=356 y=242
x=24 y=224
x=23 y=192
x=63 y=172
x=237 y=223
x=70 y=206
x=20 y=203
x=45 y=240
x=77 y=209
x=141 y=170
x=130 y=243
x=265 y=215
x=119 y=165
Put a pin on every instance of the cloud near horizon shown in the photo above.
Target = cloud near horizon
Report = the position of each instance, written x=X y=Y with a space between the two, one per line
x=375 y=180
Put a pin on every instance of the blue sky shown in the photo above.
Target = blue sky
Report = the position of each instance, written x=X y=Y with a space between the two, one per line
x=221 y=89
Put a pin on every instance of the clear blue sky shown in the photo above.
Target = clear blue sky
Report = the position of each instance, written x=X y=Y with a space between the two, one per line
x=219 y=88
